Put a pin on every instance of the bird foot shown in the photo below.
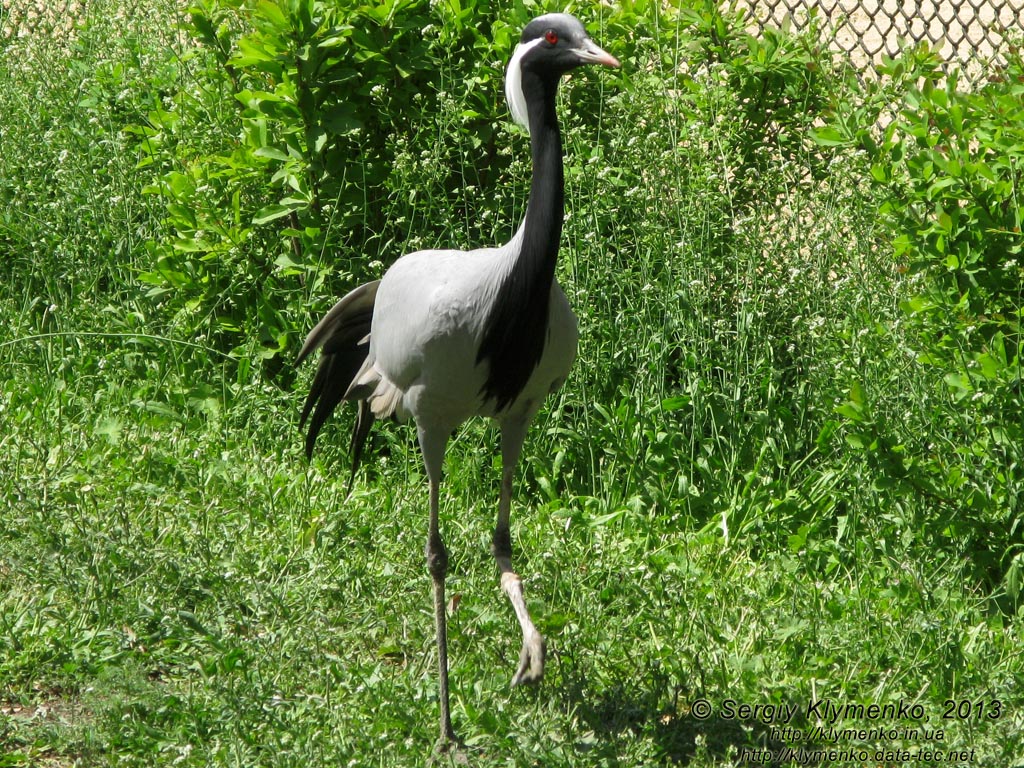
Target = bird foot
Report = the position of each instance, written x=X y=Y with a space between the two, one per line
x=531 y=661
x=450 y=750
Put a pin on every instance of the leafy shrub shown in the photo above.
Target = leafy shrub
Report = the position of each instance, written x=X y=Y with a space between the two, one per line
x=319 y=171
x=949 y=167
x=780 y=83
x=705 y=268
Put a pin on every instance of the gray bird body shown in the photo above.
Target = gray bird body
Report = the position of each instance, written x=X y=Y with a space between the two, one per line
x=428 y=323
x=446 y=335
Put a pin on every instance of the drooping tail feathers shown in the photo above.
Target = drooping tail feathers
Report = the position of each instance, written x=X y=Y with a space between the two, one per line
x=343 y=335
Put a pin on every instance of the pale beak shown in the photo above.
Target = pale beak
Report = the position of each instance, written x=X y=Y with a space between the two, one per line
x=590 y=53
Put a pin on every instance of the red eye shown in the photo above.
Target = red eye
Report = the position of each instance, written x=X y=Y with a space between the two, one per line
x=551 y=36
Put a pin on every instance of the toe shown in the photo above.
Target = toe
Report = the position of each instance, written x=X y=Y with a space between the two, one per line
x=531 y=661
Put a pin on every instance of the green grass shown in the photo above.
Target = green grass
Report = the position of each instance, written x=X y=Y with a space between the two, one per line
x=693 y=520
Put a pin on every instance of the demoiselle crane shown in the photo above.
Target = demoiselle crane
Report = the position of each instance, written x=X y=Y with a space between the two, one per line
x=446 y=334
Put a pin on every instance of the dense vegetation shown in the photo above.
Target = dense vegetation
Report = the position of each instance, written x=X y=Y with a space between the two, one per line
x=788 y=466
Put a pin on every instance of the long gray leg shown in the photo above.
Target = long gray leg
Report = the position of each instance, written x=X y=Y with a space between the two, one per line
x=432 y=444
x=531 y=657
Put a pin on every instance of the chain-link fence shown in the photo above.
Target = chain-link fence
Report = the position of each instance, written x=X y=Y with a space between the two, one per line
x=21 y=18
x=970 y=33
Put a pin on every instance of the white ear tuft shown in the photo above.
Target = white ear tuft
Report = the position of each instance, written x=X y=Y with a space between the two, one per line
x=514 y=84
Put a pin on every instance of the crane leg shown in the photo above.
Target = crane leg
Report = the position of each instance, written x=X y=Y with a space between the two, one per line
x=437 y=564
x=531 y=657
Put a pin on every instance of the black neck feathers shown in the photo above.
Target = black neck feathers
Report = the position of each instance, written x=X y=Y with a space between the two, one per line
x=516 y=329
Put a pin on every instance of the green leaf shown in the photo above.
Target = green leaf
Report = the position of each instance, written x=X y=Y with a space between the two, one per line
x=829 y=136
x=272 y=12
x=271 y=213
x=251 y=51
x=676 y=403
x=342 y=120
x=271 y=153
x=110 y=428
x=855 y=408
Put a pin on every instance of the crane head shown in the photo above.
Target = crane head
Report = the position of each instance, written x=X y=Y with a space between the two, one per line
x=554 y=43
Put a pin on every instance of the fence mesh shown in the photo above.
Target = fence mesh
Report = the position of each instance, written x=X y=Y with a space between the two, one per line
x=22 y=18
x=970 y=33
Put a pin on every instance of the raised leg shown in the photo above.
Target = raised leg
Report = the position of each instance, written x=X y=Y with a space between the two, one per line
x=432 y=445
x=531 y=657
